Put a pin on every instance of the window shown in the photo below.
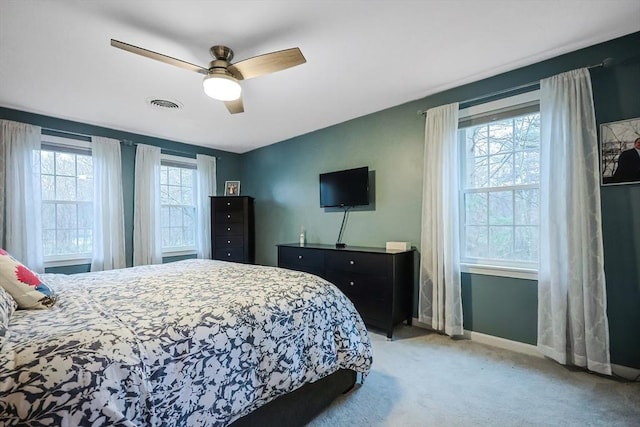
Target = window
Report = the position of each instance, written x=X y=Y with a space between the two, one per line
x=66 y=170
x=178 y=204
x=500 y=180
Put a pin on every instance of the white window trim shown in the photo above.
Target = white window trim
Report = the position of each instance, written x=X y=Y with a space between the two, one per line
x=192 y=164
x=501 y=271
x=500 y=104
x=172 y=252
x=523 y=270
x=65 y=142
x=71 y=259
x=187 y=161
x=64 y=261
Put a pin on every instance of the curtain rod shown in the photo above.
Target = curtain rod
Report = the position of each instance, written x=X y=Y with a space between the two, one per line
x=526 y=87
x=127 y=142
x=61 y=133
x=131 y=143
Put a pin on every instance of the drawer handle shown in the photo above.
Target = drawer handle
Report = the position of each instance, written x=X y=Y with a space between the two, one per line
x=352 y=262
x=228 y=242
x=228 y=203
x=228 y=228
x=351 y=283
x=228 y=216
x=228 y=253
x=299 y=256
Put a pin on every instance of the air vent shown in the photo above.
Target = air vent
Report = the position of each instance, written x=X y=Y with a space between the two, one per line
x=165 y=104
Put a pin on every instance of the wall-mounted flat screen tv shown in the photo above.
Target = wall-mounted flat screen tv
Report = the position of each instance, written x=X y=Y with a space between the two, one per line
x=344 y=188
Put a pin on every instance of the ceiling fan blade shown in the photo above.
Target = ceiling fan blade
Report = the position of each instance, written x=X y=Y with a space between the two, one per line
x=267 y=63
x=159 y=57
x=235 y=106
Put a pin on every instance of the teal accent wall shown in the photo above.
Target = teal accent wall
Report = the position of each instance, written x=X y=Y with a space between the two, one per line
x=69 y=269
x=228 y=165
x=513 y=304
x=616 y=95
x=283 y=178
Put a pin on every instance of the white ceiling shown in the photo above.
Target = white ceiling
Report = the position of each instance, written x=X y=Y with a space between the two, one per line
x=362 y=57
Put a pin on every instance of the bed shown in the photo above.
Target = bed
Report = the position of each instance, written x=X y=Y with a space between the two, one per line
x=189 y=343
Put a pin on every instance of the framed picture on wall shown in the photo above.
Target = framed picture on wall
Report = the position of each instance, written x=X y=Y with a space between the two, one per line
x=232 y=188
x=620 y=152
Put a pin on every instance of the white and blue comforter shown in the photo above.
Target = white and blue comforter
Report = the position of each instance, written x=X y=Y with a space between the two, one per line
x=194 y=342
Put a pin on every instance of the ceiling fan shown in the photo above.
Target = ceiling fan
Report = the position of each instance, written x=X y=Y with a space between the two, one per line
x=221 y=78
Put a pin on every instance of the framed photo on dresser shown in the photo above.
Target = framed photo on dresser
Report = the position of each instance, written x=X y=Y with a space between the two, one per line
x=232 y=188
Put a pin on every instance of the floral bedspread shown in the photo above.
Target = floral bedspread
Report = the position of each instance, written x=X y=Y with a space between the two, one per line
x=195 y=342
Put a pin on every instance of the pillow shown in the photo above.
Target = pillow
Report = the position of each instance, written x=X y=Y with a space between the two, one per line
x=23 y=284
x=7 y=307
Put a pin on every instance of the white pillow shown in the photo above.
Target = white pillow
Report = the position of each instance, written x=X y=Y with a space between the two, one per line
x=23 y=284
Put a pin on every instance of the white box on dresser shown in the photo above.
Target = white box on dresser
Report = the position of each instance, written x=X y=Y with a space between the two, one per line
x=398 y=246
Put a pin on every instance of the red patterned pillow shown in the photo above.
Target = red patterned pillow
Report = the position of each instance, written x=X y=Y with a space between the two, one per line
x=23 y=284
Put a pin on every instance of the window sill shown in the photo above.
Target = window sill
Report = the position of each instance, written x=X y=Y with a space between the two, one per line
x=66 y=262
x=501 y=271
x=179 y=252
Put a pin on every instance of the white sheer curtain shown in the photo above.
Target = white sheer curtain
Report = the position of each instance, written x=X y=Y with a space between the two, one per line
x=108 y=210
x=572 y=302
x=206 y=187
x=440 y=303
x=2 y=185
x=22 y=192
x=147 y=243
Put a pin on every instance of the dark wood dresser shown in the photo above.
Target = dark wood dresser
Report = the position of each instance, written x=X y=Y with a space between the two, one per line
x=232 y=229
x=378 y=282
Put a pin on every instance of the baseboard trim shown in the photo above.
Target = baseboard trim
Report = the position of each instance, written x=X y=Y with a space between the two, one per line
x=625 y=372
x=518 y=347
x=419 y=324
x=491 y=340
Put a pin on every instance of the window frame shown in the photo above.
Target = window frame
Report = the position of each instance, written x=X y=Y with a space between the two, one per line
x=186 y=163
x=506 y=268
x=73 y=146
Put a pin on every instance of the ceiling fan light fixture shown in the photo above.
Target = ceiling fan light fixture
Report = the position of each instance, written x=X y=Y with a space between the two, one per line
x=222 y=87
x=221 y=81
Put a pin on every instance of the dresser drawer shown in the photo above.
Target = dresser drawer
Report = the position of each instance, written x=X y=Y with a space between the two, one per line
x=229 y=229
x=229 y=204
x=229 y=242
x=361 y=286
x=359 y=262
x=291 y=256
x=229 y=217
x=376 y=313
x=371 y=295
x=230 y=254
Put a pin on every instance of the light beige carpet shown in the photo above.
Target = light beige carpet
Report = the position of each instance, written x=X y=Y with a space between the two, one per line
x=425 y=379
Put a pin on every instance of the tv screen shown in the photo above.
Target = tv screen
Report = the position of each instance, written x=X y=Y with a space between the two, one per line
x=344 y=188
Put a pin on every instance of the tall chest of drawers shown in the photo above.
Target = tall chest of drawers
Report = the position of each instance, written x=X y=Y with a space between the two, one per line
x=232 y=229
x=379 y=283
